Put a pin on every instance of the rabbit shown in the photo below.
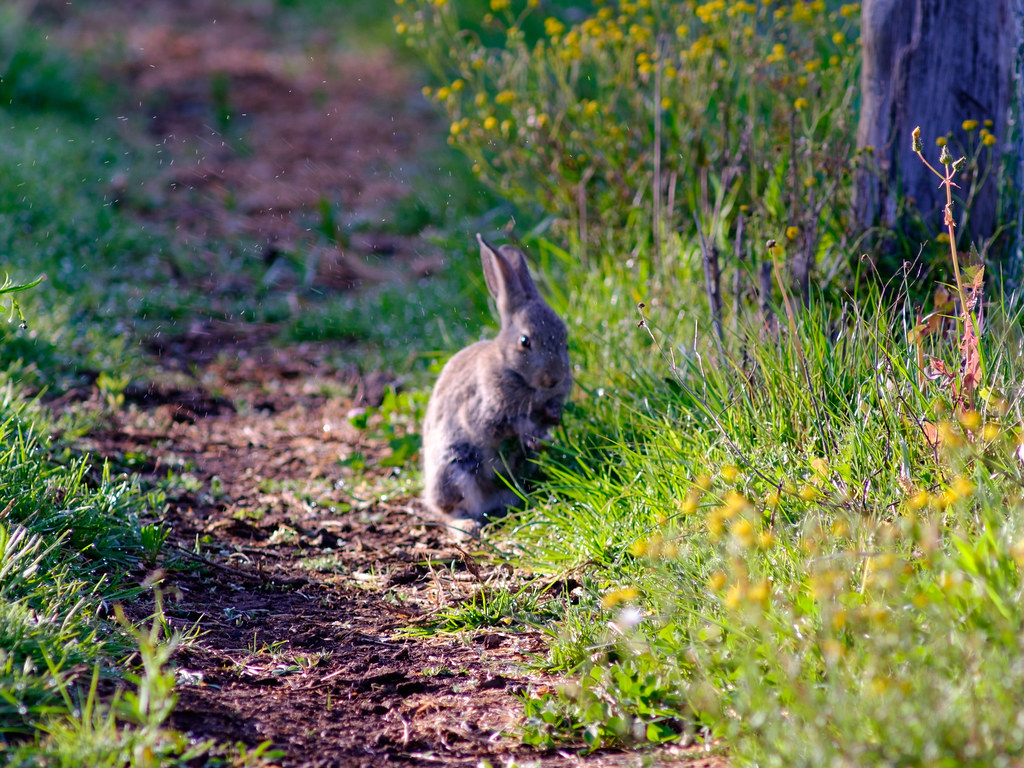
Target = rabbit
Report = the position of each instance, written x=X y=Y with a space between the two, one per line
x=496 y=400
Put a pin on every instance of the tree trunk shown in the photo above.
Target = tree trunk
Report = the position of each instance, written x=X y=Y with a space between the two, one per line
x=934 y=63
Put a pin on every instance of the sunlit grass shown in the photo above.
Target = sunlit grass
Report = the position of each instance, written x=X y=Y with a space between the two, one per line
x=800 y=537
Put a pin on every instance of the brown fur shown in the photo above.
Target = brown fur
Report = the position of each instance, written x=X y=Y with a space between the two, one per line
x=495 y=400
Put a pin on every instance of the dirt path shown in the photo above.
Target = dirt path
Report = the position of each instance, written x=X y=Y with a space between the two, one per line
x=302 y=589
x=305 y=584
x=304 y=564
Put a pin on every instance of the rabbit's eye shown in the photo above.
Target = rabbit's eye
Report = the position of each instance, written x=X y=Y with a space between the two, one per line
x=524 y=342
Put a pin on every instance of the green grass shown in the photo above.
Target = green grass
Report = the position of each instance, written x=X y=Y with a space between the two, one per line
x=800 y=538
x=74 y=536
x=526 y=607
x=769 y=544
x=78 y=536
x=783 y=557
x=71 y=547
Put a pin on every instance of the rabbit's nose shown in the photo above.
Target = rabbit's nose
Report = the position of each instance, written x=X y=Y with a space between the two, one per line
x=548 y=380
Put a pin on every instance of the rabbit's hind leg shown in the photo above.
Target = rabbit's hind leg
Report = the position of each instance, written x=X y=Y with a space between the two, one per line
x=457 y=489
x=467 y=489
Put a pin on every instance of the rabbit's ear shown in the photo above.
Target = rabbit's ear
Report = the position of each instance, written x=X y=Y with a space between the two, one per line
x=503 y=277
x=517 y=259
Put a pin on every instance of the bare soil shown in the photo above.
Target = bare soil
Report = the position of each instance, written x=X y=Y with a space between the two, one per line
x=306 y=577
x=308 y=582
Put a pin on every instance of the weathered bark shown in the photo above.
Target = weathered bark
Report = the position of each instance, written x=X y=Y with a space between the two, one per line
x=933 y=63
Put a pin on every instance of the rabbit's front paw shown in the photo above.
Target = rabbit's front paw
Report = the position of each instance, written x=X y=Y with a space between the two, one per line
x=535 y=437
x=551 y=412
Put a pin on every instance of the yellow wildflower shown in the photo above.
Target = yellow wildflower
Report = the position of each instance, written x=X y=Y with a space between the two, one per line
x=716 y=524
x=970 y=420
x=743 y=530
x=735 y=595
x=760 y=592
x=800 y=103
x=553 y=27
x=969 y=125
x=809 y=493
x=962 y=487
x=621 y=595
x=689 y=506
x=735 y=503
x=918 y=501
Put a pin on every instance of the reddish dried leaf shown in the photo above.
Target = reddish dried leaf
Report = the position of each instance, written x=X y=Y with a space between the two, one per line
x=936 y=370
x=970 y=351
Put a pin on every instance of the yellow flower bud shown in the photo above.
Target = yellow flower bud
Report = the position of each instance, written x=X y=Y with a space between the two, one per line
x=622 y=595
x=970 y=420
